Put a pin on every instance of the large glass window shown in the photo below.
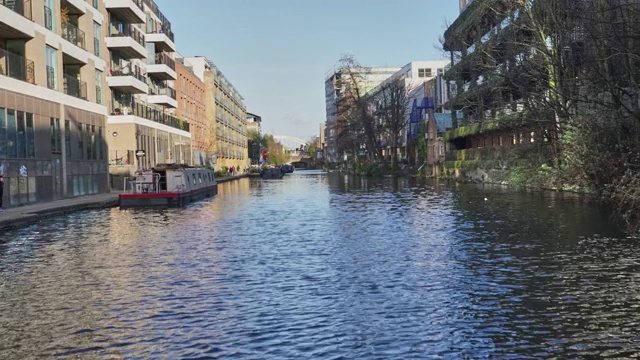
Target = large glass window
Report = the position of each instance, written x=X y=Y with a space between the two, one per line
x=98 y=86
x=11 y=134
x=3 y=133
x=67 y=138
x=81 y=139
x=21 y=140
x=94 y=150
x=52 y=68
x=96 y=38
x=56 y=136
x=50 y=14
x=31 y=141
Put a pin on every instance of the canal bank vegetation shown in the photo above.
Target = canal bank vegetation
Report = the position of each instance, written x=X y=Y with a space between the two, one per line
x=258 y=142
x=571 y=72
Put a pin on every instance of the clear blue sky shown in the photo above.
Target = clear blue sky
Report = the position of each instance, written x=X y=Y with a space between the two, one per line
x=277 y=52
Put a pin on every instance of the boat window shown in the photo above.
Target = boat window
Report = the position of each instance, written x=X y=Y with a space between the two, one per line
x=194 y=179
x=200 y=178
x=210 y=179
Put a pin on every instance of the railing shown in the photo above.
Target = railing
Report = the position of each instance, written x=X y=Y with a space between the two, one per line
x=120 y=29
x=71 y=33
x=51 y=78
x=127 y=69
x=22 y=7
x=162 y=90
x=166 y=25
x=142 y=184
x=163 y=58
x=132 y=107
x=74 y=86
x=48 y=18
x=17 y=67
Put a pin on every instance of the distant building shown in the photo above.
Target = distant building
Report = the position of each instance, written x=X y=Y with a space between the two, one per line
x=254 y=123
x=336 y=84
x=225 y=108
x=191 y=108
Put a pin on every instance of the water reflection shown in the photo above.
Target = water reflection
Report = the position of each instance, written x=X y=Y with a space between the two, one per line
x=326 y=266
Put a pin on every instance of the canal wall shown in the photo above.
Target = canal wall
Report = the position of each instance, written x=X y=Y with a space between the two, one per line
x=20 y=216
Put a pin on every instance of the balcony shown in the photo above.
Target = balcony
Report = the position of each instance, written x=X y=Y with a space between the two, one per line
x=73 y=34
x=74 y=86
x=130 y=11
x=162 y=67
x=162 y=41
x=127 y=40
x=17 y=67
x=74 y=7
x=16 y=27
x=127 y=78
x=162 y=95
x=135 y=108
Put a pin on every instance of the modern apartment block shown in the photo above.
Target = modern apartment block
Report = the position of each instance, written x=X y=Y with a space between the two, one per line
x=142 y=126
x=224 y=104
x=336 y=84
x=191 y=108
x=483 y=66
x=52 y=99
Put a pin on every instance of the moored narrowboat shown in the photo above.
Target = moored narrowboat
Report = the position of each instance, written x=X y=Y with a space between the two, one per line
x=168 y=185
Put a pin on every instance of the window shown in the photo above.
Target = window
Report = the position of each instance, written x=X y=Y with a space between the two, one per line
x=3 y=133
x=21 y=140
x=95 y=3
x=49 y=15
x=94 y=149
x=67 y=138
x=11 y=134
x=440 y=71
x=424 y=73
x=80 y=139
x=98 y=86
x=96 y=38
x=52 y=68
x=100 y=144
x=56 y=141
x=31 y=141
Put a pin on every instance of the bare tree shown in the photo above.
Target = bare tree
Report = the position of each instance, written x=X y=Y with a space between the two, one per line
x=392 y=102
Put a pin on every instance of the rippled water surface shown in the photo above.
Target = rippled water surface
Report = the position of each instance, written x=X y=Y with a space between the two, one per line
x=326 y=266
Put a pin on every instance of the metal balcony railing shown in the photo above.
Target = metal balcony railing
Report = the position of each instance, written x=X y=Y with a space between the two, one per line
x=162 y=90
x=71 y=33
x=74 y=86
x=133 y=107
x=51 y=78
x=17 y=67
x=127 y=69
x=163 y=58
x=120 y=29
x=22 y=7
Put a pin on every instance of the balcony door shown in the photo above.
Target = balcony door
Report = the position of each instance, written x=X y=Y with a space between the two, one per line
x=15 y=60
x=52 y=68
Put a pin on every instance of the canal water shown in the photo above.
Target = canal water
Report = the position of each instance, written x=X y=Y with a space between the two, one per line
x=325 y=266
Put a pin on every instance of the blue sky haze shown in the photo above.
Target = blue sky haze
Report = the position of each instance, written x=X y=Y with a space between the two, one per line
x=277 y=52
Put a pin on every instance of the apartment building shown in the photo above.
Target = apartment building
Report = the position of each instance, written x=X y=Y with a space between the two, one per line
x=254 y=123
x=142 y=126
x=191 y=108
x=225 y=107
x=414 y=77
x=52 y=104
x=336 y=84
